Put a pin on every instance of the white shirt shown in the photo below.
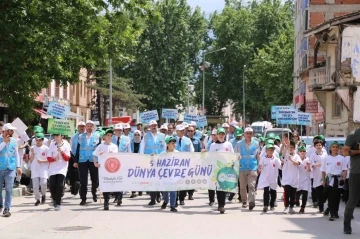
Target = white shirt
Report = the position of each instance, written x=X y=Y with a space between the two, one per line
x=20 y=143
x=39 y=170
x=304 y=175
x=60 y=166
x=106 y=148
x=334 y=166
x=269 y=172
x=347 y=161
x=316 y=171
x=290 y=172
x=226 y=146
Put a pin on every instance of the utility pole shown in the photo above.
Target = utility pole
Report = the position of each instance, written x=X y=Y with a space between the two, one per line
x=110 y=95
x=244 y=98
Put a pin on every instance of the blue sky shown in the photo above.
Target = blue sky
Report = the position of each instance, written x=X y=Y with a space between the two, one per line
x=208 y=6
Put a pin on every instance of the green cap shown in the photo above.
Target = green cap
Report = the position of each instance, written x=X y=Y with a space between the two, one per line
x=111 y=131
x=320 y=137
x=99 y=129
x=40 y=136
x=38 y=129
x=101 y=133
x=169 y=139
x=238 y=132
x=302 y=149
x=335 y=142
x=277 y=137
x=262 y=139
x=271 y=136
x=258 y=136
x=220 y=130
x=270 y=146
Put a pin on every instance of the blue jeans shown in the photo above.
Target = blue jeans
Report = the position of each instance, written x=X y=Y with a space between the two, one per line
x=172 y=198
x=8 y=177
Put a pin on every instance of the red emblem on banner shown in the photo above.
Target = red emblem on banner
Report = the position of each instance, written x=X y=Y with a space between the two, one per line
x=112 y=165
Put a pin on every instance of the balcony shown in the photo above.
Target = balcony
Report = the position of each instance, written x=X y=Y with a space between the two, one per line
x=320 y=79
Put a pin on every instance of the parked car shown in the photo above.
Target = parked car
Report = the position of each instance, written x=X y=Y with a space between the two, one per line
x=259 y=127
x=276 y=131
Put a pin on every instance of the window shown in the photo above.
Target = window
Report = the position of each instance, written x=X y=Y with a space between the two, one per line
x=336 y=105
x=81 y=88
x=306 y=20
x=57 y=90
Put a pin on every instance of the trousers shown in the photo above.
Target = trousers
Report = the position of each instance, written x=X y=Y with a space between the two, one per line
x=84 y=169
x=220 y=196
x=172 y=198
x=57 y=184
x=269 y=196
x=289 y=196
x=303 y=198
x=7 y=176
x=354 y=196
x=182 y=194
x=39 y=183
x=248 y=178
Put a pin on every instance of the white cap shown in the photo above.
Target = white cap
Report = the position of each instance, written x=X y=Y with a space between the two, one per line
x=214 y=131
x=234 y=124
x=152 y=122
x=193 y=123
x=81 y=123
x=126 y=126
x=225 y=125
x=8 y=126
x=118 y=126
x=163 y=127
x=248 y=129
x=90 y=122
x=180 y=127
x=185 y=124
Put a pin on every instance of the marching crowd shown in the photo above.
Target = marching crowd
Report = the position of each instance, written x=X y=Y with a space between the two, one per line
x=278 y=162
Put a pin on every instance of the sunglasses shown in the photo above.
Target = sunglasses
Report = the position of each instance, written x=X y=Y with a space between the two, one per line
x=137 y=135
x=191 y=131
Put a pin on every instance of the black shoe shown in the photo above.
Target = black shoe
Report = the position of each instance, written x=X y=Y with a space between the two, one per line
x=158 y=199
x=326 y=212
x=6 y=213
x=251 y=206
x=119 y=202
x=106 y=207
x=133 y=195
x=94 y=198
x=190 y=197
x=297 y=203
x=173 y=209
x=37 y=203
x=182 y=203
x=163 y=206
x=82 y=203
x=152 y=203
x=336 y=214
x=176 y=204
x=332 y=218
x=347 y=228
x=43 y=199
x=265 y=209
x=231 y=197
x=211 y=204
x=222 y=210
x=140 y=193
x=302 y=210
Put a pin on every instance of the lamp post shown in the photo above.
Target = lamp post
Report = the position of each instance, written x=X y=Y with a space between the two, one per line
x=110 y=96
x=244 y=97
x=204 y=67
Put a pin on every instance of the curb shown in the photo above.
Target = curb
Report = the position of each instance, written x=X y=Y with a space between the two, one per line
x=17 y=192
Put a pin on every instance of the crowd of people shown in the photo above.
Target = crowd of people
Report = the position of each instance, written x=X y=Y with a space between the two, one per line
x=277 y=162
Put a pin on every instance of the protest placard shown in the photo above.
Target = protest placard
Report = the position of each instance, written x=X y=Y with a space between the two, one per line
x=188 y=118
x=274 y=108
x=168 y=172
x=202 y=121
x=304 y=119
x=169 y=114
x=58 y=110
x=147 y=116
x=63 y=127
x=286 y=116
x=20 y=129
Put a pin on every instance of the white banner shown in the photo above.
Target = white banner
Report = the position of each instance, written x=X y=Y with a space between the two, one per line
x=168 y=172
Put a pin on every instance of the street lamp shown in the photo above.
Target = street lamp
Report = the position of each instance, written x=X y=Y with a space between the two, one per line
x=204 y=67
x=244 y=97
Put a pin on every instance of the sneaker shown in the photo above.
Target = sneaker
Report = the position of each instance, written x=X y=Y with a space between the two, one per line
x=190 y=197
x=182 y=203
x=140 y=194
x=119 y=202
x=265 y=209
x=302 y=210
x=315 y=205
x=291 y=210
x=347 y=228
x=57 y=208
x=285 y=210
x=211 y=204
x=172 y=209
x=152 y=203
x=222 y=210
x=133 y=195
x=326 y=212
x=272 y=209
x=163 y=206
x=6 y=213
x=244 y=205
x=251 y=206
x=43 y=199
x=37 y=203
x=82 y=203
x=332 y=218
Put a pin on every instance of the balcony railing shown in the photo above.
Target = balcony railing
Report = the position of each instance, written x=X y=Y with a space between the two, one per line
x=321 y=76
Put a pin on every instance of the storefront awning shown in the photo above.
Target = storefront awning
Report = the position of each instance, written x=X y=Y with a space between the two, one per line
x=42 y=113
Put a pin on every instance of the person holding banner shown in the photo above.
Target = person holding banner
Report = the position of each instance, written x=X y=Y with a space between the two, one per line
x=84 y=161
x=211 y=139
x=135 y=148
x=127 y=130
x=9 y=163
x=238 y=137
x=153 y=143
x=221 y=145
x=198 y=133
x=106 y=147
x=184 y=144
x=58 y=157
x=170 y=149
x=248 y=149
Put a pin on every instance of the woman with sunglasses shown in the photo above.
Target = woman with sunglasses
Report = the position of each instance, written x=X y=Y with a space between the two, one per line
x=170 y=148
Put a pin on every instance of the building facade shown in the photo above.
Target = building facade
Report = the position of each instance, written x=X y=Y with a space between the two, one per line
x=309 y=14
x=334 y=80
